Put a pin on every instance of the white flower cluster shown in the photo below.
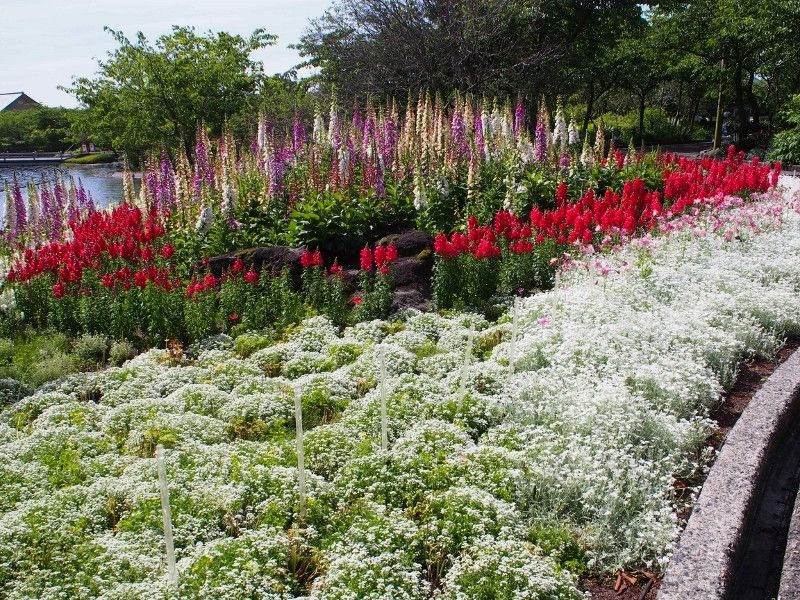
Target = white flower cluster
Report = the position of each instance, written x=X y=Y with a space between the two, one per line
x=614 y=374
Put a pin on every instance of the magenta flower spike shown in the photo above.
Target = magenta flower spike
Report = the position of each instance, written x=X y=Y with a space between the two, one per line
x=540 y=145
x=458 y=133
x=19 y=207
x=519 y=119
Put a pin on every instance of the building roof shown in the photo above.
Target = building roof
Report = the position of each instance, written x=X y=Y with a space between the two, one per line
x=16 y=101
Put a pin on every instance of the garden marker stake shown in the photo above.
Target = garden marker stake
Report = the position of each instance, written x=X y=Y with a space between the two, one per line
x=514 y=331
x=462 y=384
x=172 y=571
x=384 y=416
x=301 y=463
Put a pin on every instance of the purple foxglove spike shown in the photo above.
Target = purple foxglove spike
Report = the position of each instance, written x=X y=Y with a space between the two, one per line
x=358 y=120
x=459 y=133
x=480 y=141
x=519 y=118
x=90 y=204
x=57 y=215
x=391 y=137
x=540 y=146
x=197 y=184
x=202 y=158
x=19 y=207
x=151 y=181
x=80 y=196
x=380 y=188
x=46 y=206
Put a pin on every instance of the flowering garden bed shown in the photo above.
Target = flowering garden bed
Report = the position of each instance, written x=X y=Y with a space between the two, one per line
x=438 y=449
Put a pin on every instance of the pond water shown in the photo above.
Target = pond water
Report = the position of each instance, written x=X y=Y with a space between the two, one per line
x=103 y=182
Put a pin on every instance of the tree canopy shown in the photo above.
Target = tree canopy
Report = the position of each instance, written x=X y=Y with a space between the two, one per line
x=150 y=95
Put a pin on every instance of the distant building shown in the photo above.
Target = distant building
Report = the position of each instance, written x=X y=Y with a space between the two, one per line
x=17 y=101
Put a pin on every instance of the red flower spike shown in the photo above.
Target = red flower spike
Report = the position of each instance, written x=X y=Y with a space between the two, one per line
x=365 y=258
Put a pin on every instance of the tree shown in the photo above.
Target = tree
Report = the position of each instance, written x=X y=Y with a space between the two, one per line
x=41 y=129
x=390 y=47
x=147 y=96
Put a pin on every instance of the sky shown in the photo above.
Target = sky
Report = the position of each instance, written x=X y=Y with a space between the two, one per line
x=43 y=43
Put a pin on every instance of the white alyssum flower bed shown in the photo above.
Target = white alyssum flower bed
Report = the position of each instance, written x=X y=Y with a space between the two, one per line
x=509 y=491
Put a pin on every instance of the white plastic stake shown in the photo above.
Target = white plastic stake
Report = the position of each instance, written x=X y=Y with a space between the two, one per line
x=462 y=385
x=514 y=331
x=172 y=571
x=301 y=463
x=384 y=414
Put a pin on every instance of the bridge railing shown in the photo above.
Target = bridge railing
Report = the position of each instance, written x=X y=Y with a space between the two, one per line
x=31 y=156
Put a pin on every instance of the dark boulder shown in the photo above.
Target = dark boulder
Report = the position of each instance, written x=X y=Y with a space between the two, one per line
x=409 y=243
x=272 y=258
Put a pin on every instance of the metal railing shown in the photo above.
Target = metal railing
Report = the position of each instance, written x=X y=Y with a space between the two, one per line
x=20 y=157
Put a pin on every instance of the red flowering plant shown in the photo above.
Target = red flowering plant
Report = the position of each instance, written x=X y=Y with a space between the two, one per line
x=509 y=254
x=488 y=260
x=113 y=274
x=313 y=278
x=376 y=282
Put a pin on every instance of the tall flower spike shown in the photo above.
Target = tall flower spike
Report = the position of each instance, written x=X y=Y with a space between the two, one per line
x=573 y=135
x=10 y=226
x=587 y=156
x=19 y=207
x=34 y=214
x=600 y=142
x=540 y=142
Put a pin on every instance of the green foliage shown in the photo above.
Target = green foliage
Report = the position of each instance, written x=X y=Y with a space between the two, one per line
x=659 y=127
x=91 y=349
x=40 y=129
x=147 y=95
x=785 y=146
x=95 y=158
x=121 y=351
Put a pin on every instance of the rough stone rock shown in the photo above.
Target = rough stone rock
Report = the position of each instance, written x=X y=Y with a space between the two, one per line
x=273 y=258
x=410 y=298
x=413 y=272
x=409 y=243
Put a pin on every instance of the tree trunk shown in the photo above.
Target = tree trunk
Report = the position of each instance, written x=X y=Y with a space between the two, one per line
x=738 y=88
x=695 y=108
x=589 y=106
x=642 y=97
x=753 y=101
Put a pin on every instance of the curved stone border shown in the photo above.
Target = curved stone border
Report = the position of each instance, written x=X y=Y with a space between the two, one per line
x=790 y=577
x=703 y=565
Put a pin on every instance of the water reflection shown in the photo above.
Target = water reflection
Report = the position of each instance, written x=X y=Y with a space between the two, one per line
x=103 y=182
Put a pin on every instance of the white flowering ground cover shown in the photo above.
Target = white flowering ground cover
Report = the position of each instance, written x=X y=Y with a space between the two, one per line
x=508 y=491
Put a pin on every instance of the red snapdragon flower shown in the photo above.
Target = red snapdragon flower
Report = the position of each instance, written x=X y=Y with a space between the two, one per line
x=365 y=257
x=251 y=277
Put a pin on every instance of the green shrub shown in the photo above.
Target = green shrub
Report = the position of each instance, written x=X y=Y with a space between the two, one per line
x=121 y=351
x=55 y=366
x=91 y=350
